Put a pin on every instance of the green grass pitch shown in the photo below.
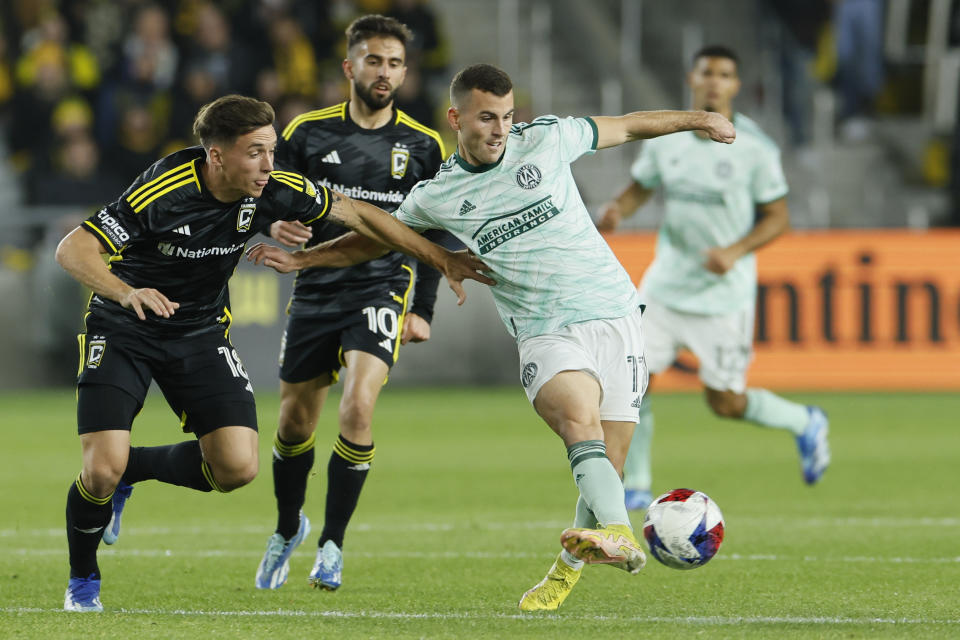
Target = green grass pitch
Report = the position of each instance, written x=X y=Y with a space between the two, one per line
x=462 y=513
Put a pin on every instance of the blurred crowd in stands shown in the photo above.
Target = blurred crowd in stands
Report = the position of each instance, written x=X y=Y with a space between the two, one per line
x=93 y=91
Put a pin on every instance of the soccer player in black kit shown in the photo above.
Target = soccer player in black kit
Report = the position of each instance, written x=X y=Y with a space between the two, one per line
x=160 y=311
x=354 y=317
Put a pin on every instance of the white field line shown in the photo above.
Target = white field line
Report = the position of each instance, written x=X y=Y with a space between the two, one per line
x=440 y=527
x=463 y=555
x=401 y=615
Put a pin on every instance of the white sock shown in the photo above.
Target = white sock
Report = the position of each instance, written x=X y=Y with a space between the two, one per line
x=599 y=484
x=770 y=410
x=636 y=468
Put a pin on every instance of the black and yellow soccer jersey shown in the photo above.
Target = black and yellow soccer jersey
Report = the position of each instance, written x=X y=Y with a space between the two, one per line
x=378 y=166
x=169 y=233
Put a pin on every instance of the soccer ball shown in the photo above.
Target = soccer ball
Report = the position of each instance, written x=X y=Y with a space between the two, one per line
x=683 y=528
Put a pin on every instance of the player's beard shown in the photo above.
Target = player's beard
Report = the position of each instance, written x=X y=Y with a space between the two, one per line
x=373 y=102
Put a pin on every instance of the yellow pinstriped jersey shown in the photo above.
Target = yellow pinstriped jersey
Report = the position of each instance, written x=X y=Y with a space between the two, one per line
x=378 y=166
x=169 y=233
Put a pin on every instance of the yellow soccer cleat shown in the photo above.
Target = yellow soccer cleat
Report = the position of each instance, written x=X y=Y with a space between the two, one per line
x=614 y=544
x=549 y=593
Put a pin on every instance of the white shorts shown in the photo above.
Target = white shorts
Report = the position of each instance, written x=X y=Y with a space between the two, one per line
x=723 y=344
x=609 y=350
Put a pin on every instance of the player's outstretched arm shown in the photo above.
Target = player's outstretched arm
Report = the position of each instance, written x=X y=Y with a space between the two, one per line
x=641 y=125
x=379 y=226
x=623 y=206
x=378 y=232
x=773 y=219
x=81 y=255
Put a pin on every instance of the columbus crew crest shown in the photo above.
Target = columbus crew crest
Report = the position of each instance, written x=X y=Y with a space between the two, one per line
x=245 y=216
x=399 y=159
x=95 y=349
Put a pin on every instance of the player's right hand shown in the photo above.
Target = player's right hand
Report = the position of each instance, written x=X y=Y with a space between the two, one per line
x=276 y=258
x=292 y=233
x=464 y=265
x=610 y=216
x=141 y=299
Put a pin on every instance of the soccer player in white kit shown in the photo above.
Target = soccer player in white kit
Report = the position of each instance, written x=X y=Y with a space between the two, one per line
x=509 y=196
x=722 y=203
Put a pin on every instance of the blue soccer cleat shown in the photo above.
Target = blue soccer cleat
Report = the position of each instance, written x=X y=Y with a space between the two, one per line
x=83 y=594
x=120 y=496
x=813 y=446
x=637 y=499
x=275 y=566
x=326 y=573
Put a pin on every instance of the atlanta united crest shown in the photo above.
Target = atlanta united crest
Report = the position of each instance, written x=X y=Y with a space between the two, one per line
x=528 y=176
x=529 y=373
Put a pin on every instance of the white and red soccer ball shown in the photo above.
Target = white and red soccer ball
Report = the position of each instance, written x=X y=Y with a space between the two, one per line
x=683 y=528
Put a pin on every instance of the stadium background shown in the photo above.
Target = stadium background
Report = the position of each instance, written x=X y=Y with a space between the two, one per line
x=470 y=490
x=92 y=92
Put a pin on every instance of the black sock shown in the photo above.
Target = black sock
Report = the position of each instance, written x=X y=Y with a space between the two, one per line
x=346 y=473
x=180 y=464
x=87 y=516
x=291 y=467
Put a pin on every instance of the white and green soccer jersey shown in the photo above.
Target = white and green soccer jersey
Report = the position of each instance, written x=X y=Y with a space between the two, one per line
x=711 y=192
x=524 y=217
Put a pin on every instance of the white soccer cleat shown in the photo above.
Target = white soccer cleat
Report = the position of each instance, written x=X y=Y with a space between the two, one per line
x=275 y=566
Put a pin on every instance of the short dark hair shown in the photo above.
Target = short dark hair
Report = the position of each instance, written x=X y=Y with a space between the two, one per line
x=373 y=25
x=716 y=51
x=484 y=77
x=229 y=117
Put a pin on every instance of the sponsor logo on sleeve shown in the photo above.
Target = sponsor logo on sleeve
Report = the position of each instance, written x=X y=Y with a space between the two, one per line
x=115 y=231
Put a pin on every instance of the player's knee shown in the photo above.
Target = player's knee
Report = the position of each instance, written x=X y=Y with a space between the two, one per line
x=574 y=428
x=726 y=405
x=236 y=474
x=295 y=424
x=356 y=415
x=101 y=478
x=237 y=478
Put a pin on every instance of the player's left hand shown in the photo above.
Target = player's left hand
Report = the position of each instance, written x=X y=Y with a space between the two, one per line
x=719 y=260
x=719 y=128
x=276 y=258
x=415 y=329
x=464 y=265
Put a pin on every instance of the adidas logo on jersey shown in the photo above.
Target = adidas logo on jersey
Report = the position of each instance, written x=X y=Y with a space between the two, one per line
x=636 y=403
x=184 y=230
x=332 y=158
x=467 y=207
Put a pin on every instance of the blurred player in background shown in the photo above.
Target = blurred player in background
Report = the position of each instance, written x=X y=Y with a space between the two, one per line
x=160 y=310
x=722 y=203
x=509 y=195
x=354 y=317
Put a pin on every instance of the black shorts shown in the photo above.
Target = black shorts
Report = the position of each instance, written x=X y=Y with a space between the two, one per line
x=313 y=346
x=201 y=378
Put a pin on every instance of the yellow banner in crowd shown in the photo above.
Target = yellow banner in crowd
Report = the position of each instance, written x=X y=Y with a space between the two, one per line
x=853 y=310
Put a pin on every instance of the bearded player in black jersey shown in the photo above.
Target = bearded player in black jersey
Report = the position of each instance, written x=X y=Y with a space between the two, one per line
x=160 y=311
x=354 y=317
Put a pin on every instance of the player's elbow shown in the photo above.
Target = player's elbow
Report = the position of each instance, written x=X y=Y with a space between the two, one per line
x=66 y=250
